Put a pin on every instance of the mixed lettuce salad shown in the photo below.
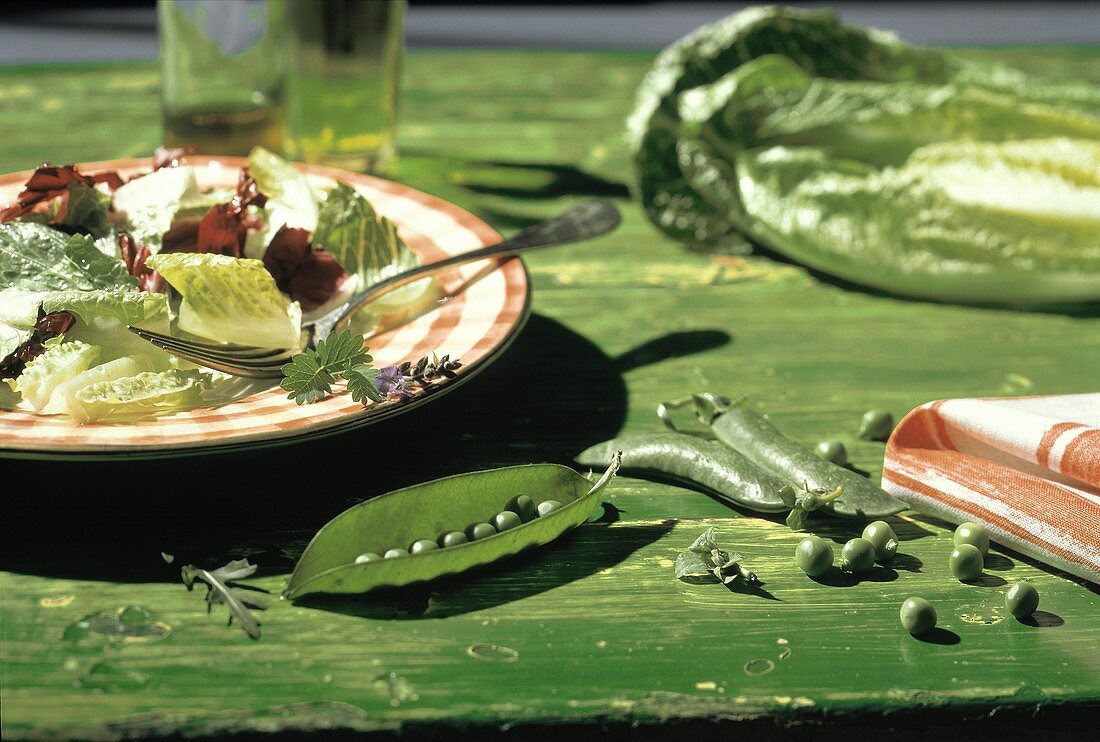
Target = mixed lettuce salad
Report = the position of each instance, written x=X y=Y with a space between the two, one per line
x=919 y=171
x=82 y=256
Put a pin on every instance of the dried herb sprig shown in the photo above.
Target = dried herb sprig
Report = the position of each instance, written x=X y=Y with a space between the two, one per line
x=704 y=561
x=220 y=589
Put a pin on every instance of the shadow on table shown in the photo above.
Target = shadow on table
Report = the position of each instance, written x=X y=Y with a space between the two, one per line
x=550 y=396
x=587 y=550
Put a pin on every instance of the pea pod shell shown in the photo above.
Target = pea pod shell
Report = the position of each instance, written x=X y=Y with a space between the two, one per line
x=758 y=440
x=426 y=510
x=719 y=471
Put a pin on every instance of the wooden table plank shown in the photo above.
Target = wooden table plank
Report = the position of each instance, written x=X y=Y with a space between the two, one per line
x=602 y=632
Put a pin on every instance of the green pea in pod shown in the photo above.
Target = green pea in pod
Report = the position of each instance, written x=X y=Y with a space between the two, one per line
x=413 y=514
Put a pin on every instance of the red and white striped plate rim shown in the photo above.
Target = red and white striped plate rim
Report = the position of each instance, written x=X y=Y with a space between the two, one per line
x=475 y=326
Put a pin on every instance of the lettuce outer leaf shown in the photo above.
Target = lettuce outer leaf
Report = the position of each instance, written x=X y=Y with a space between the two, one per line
x=86 y=210
x=233 y=300
x=128 y=307
x=366 y=244
x=35 y=257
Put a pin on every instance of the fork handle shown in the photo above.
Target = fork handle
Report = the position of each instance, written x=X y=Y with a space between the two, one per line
x=590 y=219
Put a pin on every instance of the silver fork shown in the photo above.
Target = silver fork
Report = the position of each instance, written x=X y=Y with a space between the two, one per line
x=590 y=219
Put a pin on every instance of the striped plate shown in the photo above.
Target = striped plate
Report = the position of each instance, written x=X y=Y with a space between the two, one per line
x=489 y=304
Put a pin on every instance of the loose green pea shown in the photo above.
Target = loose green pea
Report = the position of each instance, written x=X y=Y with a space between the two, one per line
x=1022 y=599
x=883 y=538
x=506 y=520
x=423 y=545
x=876 y=425
x=967 y=563
x=814 y=556
x=548 y=506
x=478 y=531
x=369 y=556
x=834 y=451
x=918 y=615
x=523 y=506
x=395 y=553
x=973 y=534
x=453 y=538
x=858 y=555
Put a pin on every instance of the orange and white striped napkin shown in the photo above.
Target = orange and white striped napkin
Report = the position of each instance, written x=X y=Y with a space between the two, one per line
x=1027 y=468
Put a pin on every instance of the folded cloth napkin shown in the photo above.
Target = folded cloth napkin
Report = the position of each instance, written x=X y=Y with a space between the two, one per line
x=1027 y=468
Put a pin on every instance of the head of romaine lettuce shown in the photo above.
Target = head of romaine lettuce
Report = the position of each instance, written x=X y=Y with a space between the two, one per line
x=917 y=171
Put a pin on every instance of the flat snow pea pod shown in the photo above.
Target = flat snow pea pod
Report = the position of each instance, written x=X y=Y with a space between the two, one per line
x=449 y=504
x=722 y=473
x=758 y=440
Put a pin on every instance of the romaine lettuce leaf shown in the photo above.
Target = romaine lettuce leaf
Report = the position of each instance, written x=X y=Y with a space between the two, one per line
x=35 y=257
x=63 y=398
x=61 y=362
x=366 y=244
x=19 y=307
x=233 y=300
x=972 y=221
x=128 y=307
x=86 y=209
x=139 y=396
x=150 y=203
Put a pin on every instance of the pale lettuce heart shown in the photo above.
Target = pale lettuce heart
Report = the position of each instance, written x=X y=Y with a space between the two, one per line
x=291 y=198
x=139 y=396
x=63 y=399
x=60 y=362
x=232 y=300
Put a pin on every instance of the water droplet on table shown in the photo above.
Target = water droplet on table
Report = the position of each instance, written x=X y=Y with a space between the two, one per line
x=492 y=653
x=129 y=623
x=759 y=666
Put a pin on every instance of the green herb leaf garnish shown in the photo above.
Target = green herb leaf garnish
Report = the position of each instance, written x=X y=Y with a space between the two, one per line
x=311 y=374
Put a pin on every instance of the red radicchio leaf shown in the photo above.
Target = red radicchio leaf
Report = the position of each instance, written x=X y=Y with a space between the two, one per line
x=50 y=181
x=171 y=156
x=224 y=227
x=310 y=275
x=48 y=326
x=134 y=256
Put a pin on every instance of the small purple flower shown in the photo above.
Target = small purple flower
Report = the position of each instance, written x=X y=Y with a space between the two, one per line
x=390 y=382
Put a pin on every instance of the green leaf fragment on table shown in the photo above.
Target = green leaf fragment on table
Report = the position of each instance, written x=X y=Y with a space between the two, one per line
x=220 y=590
x=704 y=560
x=399 y=518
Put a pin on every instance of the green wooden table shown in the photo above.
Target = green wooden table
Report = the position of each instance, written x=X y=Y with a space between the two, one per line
x=592 y=634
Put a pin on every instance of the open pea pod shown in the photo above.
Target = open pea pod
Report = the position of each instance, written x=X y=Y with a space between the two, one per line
x=397 y=519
